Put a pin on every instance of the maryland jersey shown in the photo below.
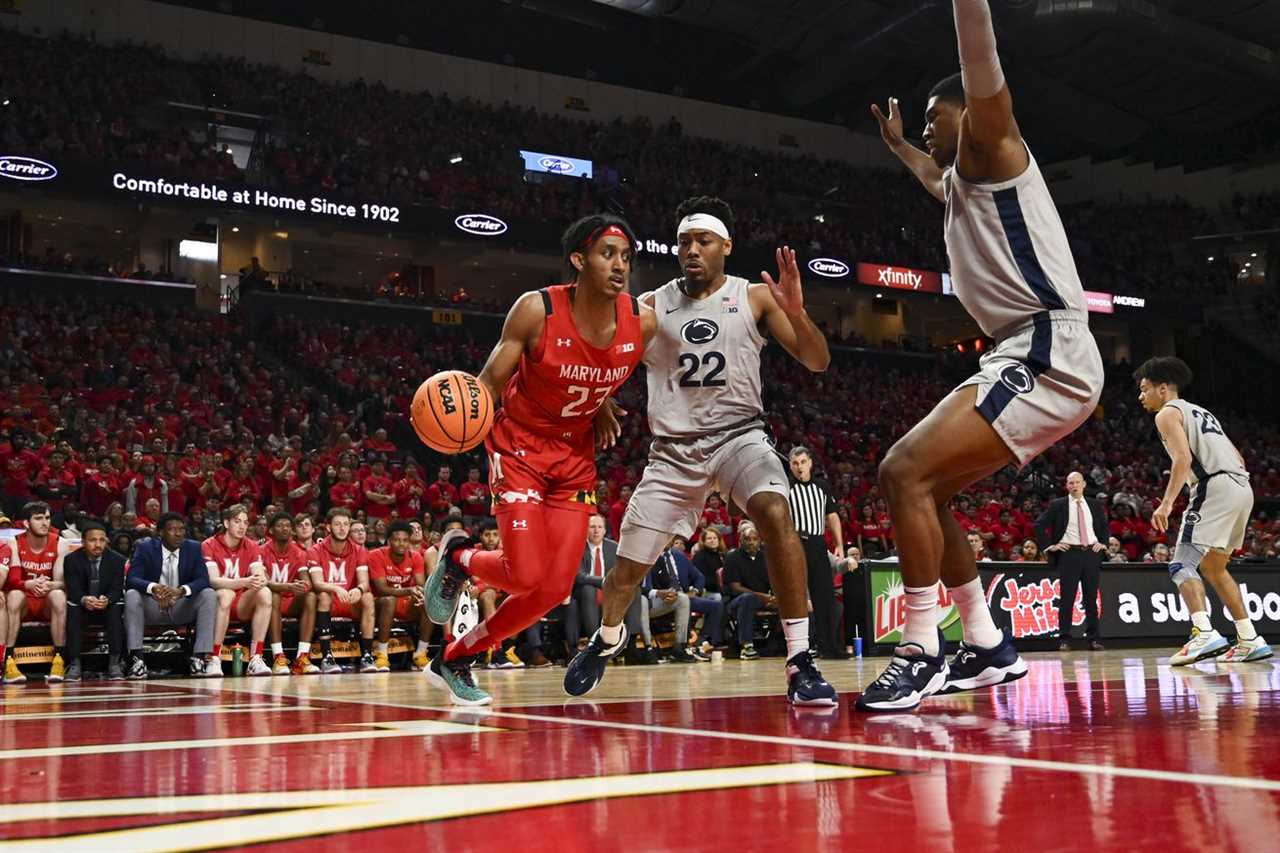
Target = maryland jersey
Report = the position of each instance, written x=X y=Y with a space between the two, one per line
x=558 y=387
x=338 y=569
x=231 y=563
x=33 y=563
x=283 y=568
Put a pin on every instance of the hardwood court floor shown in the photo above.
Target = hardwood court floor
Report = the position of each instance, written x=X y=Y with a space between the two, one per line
x=1103 y=751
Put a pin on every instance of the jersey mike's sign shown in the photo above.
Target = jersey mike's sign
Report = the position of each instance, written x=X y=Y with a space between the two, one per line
x=17 y=168
x=899 y=278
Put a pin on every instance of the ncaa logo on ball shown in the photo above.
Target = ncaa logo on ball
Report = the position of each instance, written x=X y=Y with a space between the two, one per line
x=1018 y=378
x=555 y=164
x=699 y=331
x=445 y=387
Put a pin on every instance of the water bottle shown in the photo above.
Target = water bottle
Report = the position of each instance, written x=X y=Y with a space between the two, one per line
x=237 y=660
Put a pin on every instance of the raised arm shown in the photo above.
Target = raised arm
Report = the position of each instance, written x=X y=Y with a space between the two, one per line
x=927 y=172
x=520 y=332
x=781 y=306
x=991 y=147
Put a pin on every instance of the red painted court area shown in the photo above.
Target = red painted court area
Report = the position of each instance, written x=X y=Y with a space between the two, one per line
x=1145 y=758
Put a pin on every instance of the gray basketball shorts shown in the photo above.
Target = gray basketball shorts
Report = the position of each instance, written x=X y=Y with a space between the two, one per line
x=1218 y=514
x=1039 y=383
x=680 y=474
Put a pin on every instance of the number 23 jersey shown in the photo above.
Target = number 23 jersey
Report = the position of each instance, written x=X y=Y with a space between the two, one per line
x=704 y=362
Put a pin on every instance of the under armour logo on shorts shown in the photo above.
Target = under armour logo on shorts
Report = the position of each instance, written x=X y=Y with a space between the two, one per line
x=520 y=524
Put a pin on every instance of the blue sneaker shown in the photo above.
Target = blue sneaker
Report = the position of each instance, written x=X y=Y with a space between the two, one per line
x=586 y=670
x=455 y=676
x=805 y=685
x=441 y=592
x=910 y=677
x=973 y=667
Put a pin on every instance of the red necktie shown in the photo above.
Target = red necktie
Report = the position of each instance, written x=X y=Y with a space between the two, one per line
x=1084 y=531
x=597 y=569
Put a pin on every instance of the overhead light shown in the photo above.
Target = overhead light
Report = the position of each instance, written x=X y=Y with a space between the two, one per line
x=280 y=235
x=1253 y=254
x=1211 y=258
x=6 y=103
x=879 y=296
x=455 y=159
x=235 y=229
x=819 y=218
x=223 y=276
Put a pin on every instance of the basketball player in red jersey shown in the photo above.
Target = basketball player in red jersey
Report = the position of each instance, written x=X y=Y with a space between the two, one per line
x=397 y=574
x=237 y=573
x=340 y=576
x=564 y=351
x=291 y=595
x=35 y=587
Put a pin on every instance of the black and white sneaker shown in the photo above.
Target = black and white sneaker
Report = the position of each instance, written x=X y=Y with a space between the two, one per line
x=910 y=677
x=972 y=667
x=441 y=591
x=586 y=670
x=805 y=685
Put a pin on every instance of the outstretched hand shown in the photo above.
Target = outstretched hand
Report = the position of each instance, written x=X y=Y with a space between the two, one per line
x=607 y=425
x=890 y=126
x=786 y=290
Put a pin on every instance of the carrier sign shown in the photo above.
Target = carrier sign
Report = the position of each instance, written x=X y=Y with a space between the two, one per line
x=828 y=267
x=17 y=168
x=480 y=224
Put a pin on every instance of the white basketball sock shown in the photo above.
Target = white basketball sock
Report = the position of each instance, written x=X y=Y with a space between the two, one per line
x=921 y=626
x=304 y=648
x=1245 y=630
x=277 y=649
x=796 y=632
x=980 y=630
x=611 y=634
x=1200 y=619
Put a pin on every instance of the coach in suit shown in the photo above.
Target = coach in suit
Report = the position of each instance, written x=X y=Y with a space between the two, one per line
x=94 y=577
x=1073 y=534
x=168 y=584
x=583 y=612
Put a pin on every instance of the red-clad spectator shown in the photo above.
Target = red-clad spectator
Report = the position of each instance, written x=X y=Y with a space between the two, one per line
x=283 y=467
x=410 y=492
x=56 y=484
x=101 y=487
x=144 y=485
x=244 y=486
x=1006 y=536
x=20 y=466
x=213 y=481
x=716 y=517
x=304 y=486
x=873 y=538
x=346 y=492
x=379 y=443
x=441 y=494
x=617 y=510
x=474 y=497
x=379 y=491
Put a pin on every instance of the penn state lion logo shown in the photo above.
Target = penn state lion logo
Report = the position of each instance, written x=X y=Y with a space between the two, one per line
x=1018 y=378
x=699 y=331
x=1191 y=517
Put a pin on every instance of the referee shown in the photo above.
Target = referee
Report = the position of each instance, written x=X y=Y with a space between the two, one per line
x=813 y=510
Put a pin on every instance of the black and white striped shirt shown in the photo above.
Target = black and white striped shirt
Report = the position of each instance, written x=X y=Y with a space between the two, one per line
x=810 y=504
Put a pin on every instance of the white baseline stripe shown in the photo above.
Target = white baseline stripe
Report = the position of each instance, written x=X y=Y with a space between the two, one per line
x=178 y=711
x=867 y=748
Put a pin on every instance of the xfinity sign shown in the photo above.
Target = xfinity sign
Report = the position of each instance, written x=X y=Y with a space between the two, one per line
x=829 y=267
x=480 y=224
x=17 y=168
x=899 y=278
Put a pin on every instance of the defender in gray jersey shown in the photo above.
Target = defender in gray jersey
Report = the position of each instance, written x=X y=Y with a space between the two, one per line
x=1213 y=525
x=1012 y=269
x=707 y=418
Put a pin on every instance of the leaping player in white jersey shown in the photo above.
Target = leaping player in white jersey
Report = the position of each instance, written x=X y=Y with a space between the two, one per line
x=706 y=414
x=1216 y=517
x=1013 y=272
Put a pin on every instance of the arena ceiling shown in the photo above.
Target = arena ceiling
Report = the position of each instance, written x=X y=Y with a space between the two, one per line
x=1172 y=81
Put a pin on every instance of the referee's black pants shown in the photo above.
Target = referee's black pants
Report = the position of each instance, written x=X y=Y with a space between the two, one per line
x=822 y=593
x=1079 y=567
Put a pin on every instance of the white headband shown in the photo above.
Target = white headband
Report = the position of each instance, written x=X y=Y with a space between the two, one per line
x=703 y=222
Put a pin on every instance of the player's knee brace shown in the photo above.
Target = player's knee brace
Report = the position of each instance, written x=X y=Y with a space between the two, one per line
x=1185 y=565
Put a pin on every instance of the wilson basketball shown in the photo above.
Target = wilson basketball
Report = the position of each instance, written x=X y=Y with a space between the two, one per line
x=451 y=412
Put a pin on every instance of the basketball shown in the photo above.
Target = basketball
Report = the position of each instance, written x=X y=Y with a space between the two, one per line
x=451 y=412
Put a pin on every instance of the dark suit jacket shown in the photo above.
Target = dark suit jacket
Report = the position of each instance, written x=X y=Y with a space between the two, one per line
x=610 y=557
x=1052 y=525
x=148 y=564
x=76 y=572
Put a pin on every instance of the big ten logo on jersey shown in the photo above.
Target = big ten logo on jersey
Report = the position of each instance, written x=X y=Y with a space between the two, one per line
x=728 y=305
